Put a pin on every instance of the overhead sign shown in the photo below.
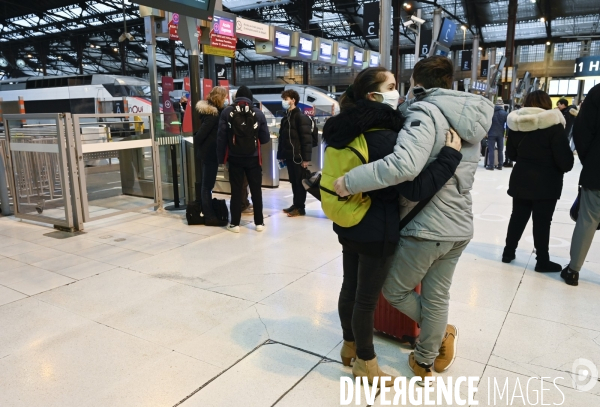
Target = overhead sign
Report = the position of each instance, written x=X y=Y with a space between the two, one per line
x=371 y=20
x=282 y=40
x=447 y=32
x=466 y=63
x=426 y=37
x=374 y=59
x=222 y=41
x=220 y=52
x=202 y=9
x=484 y=68
x=325 y=50
x=224 y=26
x=342 y=54
x=251 y=28
x=587 y=67
x=173 y=26
x=305 y=46
x=221 y=71
x=358 y=58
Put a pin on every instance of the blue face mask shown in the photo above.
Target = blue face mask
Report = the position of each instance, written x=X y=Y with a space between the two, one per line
x=285 y=105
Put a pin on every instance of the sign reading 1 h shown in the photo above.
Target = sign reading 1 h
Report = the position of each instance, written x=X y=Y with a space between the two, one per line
x=587 y=67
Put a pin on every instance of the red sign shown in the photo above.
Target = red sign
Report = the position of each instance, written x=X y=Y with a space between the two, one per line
x=173 y=33
x=222 y=41
x=207 y=85
x=186 y=83
x=171 y=117
x=225 y=83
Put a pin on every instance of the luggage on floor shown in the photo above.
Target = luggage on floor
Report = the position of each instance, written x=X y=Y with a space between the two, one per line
x=392 y=322
x=220 y=209
x=495 y=157
x=193 y=214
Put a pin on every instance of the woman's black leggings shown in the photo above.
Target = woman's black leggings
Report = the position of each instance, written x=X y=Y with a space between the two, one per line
x=363 y=279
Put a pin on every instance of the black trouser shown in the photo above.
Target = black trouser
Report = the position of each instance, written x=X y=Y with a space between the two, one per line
x=363 y=279
x=295 y=172
x=209 y=177
x=542 y=211
x=250 y=166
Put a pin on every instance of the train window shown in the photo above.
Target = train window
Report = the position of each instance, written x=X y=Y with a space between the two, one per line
x=80 y=80
x=310 y=99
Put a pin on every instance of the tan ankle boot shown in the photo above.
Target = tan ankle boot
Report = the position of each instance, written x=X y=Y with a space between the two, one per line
x=348 y=352
x=370 y=369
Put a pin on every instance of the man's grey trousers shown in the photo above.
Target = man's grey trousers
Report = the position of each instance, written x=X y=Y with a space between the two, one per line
x=587 y=223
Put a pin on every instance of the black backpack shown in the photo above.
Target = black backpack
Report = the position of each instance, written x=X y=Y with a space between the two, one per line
x=220 y=209
x=243 y=130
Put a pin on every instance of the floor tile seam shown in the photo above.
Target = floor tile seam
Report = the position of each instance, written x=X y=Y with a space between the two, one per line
x=157 y=344
x=509 y=308
x=187 y=285
x=296 y=384
x=49 y=271
x=282 y=288
x=557 y=322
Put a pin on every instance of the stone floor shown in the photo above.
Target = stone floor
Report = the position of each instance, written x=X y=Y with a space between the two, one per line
x=143 y=310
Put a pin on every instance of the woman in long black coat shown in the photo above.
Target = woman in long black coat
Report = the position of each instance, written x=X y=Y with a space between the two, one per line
x=538 y=145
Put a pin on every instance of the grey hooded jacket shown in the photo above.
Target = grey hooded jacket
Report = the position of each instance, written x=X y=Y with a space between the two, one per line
x=449 y=216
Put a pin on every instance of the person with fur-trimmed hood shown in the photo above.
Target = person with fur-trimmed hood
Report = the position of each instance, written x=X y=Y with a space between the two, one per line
x=206 y=137
x=538 y=144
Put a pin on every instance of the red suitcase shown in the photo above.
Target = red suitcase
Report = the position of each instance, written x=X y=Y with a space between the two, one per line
x=390 y=321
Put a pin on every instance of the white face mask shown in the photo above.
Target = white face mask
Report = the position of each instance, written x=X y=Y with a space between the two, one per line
x=225 y=103
x=390 y=98
x=285 y=105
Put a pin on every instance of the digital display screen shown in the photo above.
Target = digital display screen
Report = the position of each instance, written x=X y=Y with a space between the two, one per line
x=223 y=26
x=202 y=9
x=374 y=60
x=325 y=50
x=282 y=41
x=447 y=32
x=306 y=45
x=358 y=58
x=342 y=55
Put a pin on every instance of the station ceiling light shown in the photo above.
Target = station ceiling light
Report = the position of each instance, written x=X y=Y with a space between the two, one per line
x=548 y=43
x=463 y=27
x=542 y=19
x=116 y=49
x=407 y=6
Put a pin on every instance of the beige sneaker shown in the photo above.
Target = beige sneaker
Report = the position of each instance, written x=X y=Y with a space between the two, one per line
x=419 y=370
x=447 y=350
x=348 y=352
x=370 y=369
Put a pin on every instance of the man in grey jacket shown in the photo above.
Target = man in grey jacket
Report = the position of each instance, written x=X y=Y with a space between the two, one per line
x=433 y=241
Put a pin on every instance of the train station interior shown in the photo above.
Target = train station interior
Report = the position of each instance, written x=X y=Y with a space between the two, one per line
x=110 y=296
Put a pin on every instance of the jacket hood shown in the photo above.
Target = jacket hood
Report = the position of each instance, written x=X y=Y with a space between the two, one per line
x=534 y=118
x=203 y=107
x=340 y=130
x=498 y=107
x=468 y=114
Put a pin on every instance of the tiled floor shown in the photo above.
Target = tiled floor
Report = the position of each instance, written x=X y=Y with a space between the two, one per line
x=143 y=310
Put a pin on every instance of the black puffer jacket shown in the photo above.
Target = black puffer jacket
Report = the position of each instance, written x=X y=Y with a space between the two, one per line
x=295 y=137
x=538 y=144
x=377 y=233
x=586 y=134
x=206 y=136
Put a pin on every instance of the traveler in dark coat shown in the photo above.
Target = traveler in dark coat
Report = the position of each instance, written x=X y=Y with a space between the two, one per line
x=565 y=109
x=371 y=104
x=538 y=144
x=295 y=148
x=206 y=138
x=240 y=165
x=496 y=136
x=586 y=134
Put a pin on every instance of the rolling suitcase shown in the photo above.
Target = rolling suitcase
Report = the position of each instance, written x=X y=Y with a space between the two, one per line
x=485 y=163
x=392 y=322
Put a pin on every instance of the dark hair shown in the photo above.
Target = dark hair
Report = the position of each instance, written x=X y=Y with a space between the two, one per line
x=244 y=92
x=434 y=72
x=563 y=101
x=292 y=94
x=368 y=80
x=539 y=98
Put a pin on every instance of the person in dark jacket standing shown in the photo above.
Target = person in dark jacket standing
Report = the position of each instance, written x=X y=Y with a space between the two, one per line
x=295 y=147
x=586 y=134
x=248 y=164
x=369 y=107
x=563 y=106
x=206 y=137
x=539 y=146
x=496 y=136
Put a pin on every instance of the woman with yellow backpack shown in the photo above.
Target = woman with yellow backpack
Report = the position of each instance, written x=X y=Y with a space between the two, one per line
x=367 y=225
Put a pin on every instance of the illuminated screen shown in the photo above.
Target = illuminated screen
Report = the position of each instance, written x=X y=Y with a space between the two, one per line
x=342 y=55
x=447 y=32
x=374 y=60
x=202 y=9
x=282 y=41
x=358 y=58
x=325 y=50
x=306 y=45
x=223 y=26
x=201 y=4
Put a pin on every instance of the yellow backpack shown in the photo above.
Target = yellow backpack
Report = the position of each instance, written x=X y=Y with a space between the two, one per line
x=347 y=211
